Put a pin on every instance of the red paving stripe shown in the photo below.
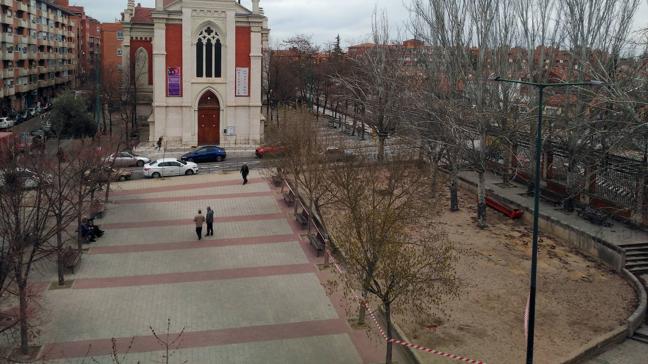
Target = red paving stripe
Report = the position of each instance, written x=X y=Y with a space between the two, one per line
x=180 y=187
x=186 y=277
x=218 y=219
x=192 y=198
x=196 y=339
x=156 y=247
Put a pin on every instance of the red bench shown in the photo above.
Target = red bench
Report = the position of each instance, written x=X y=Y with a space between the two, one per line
x=503 y=208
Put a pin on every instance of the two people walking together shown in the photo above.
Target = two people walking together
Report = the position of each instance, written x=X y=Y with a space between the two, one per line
x=200 y=220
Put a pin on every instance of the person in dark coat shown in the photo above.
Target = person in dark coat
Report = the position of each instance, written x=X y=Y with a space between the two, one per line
x=159 y=144
x=245 y=170
x=209 y=218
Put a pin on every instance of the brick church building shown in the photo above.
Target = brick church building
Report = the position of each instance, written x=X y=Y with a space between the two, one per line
x=196 y=68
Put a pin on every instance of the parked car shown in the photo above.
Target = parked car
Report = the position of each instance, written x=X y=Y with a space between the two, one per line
x=127 y=159
x=105 y=174
x=6 y=123
x=41 y=133
x=334 y=154
x=167 y=167
x=270 y=150
x=207 y=153
x=27 y=178
x=31 y=112
x=21 y=117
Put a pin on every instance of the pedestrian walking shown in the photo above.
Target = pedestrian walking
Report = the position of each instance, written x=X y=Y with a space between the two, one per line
x=245 y=170
x=210 y=222
x=199 y=220
x=159 y=144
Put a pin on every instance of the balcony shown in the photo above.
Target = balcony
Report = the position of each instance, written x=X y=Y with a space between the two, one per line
x=25 y=88
x=23 y=71
x=7 y=38
x=62 y=79
x=22 y=6
x=8 y=73
x=33 y=71
x=7 y=56
x=4 y=19
x=23 y=23
x=23 y=55
x=42 y=69
x=8 y=3
x=10 y=91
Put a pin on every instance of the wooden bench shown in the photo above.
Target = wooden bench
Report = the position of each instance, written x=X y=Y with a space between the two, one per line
x=594 y=216
x=97 y=209
x=318 y=242
x=289 y=197
x=303 y=217
x=71 y=258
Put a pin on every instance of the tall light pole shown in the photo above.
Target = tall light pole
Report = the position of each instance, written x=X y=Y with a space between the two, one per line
x=536 y=198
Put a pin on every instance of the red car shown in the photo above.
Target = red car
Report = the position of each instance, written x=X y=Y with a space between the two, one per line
x=269 y=150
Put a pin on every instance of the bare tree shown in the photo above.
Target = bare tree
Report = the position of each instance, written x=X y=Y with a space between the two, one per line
x=378 y=82
x=378 y=225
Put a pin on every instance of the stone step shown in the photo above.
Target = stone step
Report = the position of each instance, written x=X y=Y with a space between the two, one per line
x=637 y=253
x=642 y=331
x=640 y=339
x=637 y=246
x=636 y=258
x=638 y=270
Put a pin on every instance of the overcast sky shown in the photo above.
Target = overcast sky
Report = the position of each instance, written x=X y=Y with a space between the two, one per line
x=321 y=19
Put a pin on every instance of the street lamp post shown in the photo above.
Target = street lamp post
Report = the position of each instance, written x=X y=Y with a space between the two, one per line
x=536 y=200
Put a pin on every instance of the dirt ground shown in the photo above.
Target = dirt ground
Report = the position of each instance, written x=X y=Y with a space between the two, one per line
x=578 y=299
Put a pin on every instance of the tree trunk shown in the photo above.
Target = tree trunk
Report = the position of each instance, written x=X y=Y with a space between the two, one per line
x=568 y=204
x=381 y=146
x=388 y=331
x=59 y=252
x=24 y=327
x=481 y=201
x=454 y=193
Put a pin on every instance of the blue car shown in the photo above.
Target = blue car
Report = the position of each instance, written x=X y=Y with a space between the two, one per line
x=207 y=153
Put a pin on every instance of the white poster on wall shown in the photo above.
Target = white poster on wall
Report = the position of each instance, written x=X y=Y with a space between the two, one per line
x=242 y=81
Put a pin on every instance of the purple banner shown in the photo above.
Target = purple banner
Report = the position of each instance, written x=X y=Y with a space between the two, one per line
x=174 y=81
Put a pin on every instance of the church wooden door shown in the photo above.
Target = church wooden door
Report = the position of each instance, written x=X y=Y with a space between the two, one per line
x=208 y=120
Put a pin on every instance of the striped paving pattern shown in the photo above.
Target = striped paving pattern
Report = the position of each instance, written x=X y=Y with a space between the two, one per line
x=250 y=294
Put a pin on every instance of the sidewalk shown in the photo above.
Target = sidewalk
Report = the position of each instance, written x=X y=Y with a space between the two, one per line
x=252 y=293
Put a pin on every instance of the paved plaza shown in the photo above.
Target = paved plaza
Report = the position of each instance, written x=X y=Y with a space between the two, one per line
x=252 y=293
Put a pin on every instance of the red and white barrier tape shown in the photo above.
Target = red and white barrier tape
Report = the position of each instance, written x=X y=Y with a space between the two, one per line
x=402 y=342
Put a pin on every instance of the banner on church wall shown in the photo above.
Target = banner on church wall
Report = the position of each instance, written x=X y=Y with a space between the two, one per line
x=174 y=81
x=242 y=81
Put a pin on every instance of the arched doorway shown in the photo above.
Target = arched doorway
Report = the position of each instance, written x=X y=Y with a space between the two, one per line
x=208 y=119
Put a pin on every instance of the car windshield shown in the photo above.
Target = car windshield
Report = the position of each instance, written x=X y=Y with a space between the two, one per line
x=182 y=162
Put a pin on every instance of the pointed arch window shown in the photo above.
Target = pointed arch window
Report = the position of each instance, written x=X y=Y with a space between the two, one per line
x=209 y=61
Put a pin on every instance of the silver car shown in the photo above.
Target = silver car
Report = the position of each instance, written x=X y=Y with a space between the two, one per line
x=6 y=123
x=126 y=159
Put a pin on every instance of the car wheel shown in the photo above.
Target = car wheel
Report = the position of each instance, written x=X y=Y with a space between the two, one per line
x=219 y=159
x=189 y=172
x=156 y=175
x=122 y=178
x=140 y=163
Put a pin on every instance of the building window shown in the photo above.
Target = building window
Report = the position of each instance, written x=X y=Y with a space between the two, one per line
x=208 y=54
x=120 y=35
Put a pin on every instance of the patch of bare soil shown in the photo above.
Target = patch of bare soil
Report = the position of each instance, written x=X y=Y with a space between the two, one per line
x=577 y=299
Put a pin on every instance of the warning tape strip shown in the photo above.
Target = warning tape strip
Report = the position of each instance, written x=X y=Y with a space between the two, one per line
x=402 y=342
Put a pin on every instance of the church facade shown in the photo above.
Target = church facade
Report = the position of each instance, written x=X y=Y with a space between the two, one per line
x=195 y=66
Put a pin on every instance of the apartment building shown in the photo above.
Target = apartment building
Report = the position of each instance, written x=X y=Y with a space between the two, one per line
x=89 y=42
x=112 y=53
x=38 y=53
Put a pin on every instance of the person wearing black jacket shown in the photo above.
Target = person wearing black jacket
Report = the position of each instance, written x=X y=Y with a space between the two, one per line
x=245 y=170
